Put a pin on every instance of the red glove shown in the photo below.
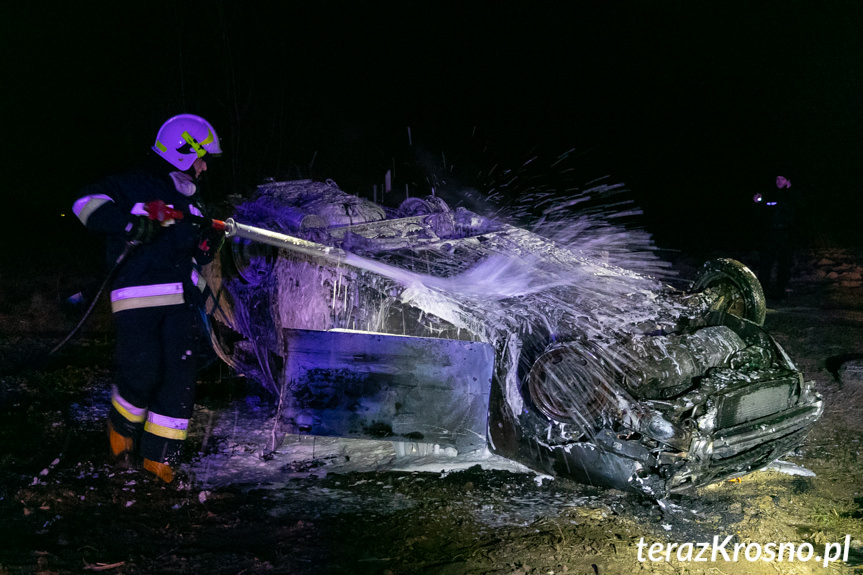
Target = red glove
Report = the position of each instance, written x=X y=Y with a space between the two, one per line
x=157 y=210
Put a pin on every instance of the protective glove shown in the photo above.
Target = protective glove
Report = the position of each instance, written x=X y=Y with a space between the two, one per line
x=158 y=211
x=142 y=230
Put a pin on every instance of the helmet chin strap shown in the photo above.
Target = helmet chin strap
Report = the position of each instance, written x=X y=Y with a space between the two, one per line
x=184 y=183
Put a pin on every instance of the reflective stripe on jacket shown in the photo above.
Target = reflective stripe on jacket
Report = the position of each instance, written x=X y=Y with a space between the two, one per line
x=89 y=204
x=137 y=297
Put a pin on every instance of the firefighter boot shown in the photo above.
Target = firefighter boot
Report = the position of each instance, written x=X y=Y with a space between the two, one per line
x=161 y=470
x=121 y=445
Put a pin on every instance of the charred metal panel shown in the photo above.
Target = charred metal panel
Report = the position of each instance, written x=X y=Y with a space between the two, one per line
x=378 y=386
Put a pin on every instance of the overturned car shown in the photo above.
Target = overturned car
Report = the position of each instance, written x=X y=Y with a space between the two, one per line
x=429 y=325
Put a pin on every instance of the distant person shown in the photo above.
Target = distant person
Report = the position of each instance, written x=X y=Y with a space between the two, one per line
x=153 y=290
x=780 y=211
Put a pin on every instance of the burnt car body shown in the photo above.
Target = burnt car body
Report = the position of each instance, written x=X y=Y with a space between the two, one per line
x=439 y=326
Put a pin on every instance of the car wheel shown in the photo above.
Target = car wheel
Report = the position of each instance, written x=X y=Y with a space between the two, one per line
x=739 y=291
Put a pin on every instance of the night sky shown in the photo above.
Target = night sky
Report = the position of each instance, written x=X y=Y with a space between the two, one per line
x=693 y=107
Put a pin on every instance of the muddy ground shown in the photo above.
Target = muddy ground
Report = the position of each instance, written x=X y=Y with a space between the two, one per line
x=66 y=508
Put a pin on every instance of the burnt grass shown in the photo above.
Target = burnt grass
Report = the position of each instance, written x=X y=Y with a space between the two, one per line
x=67 y=508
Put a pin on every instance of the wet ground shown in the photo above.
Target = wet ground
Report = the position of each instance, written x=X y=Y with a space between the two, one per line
x=322 y=506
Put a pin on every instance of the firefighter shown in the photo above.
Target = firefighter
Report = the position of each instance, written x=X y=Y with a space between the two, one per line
x=154 y=290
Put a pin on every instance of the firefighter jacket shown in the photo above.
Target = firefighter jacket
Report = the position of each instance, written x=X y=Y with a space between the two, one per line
x=163 y=271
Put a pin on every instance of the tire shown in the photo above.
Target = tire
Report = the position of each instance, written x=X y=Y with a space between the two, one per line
x=740 y=292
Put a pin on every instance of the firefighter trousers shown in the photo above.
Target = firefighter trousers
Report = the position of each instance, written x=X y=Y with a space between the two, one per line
x=155 y=375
